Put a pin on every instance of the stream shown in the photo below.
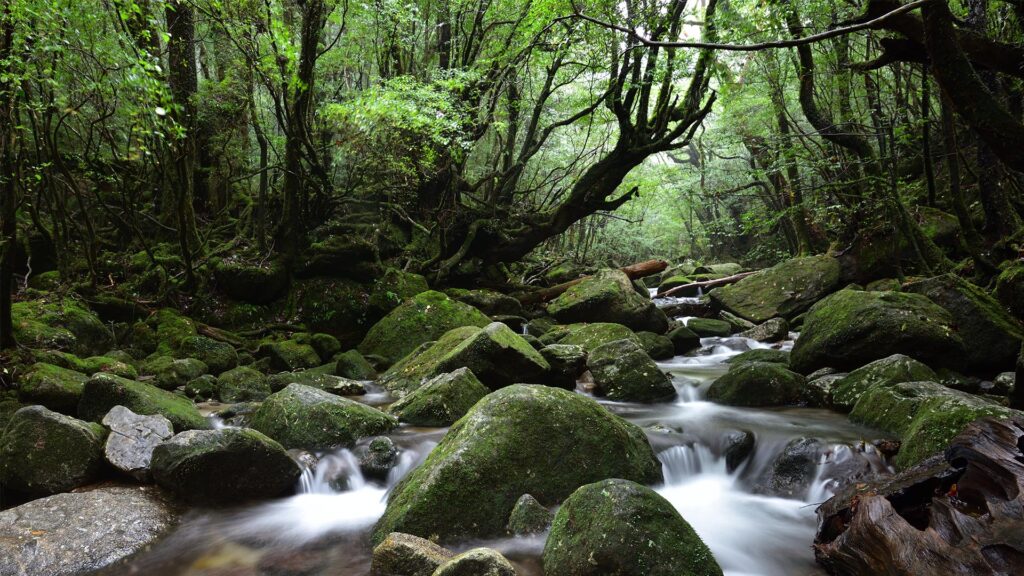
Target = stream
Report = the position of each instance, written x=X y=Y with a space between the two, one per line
x=324 y=528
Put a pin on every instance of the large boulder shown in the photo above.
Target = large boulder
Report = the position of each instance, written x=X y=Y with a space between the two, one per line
x=43 y=452
x=62 y=324
x=992 y=334
x=107 y=363
x=709 y=327
x=657 y=346
x=422 y=318
x=134 y=437
x=242 y=384
x=684 y=340
x=621 y=527
x=252 y=282
x=567 y=361
x=317 y=378
x=441 y=401
x=623 y=371
x=222 y=467
x=489 y=302
x=218 y=356
x=352 y=365
x=56 y=388
x=891 y=370
x=104 y=391
x=772 y=330
x=522 y=439
x=528 y=517
x=419 y=365
x=169 y=373
x=852 y=327
x=785 y=290
x=590 y=336
x=305 y=417
x=289 y=355
x=608 y=296
x=758 y=384
x=82 y=533
x=393 y=288
x=407 y=555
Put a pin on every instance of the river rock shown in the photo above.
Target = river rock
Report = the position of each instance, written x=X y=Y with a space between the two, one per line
x=758 y=384
x=477 y=562
x=107 y=363
x=657 y=346
x=319 y=379
x=994 y=336
x=785 y=290
x=218 y=356
x=289 y=355
x=709 y=327
x=222 y=467
x=422 y=318
x=81 y=533
x=304 y=417
x=608 y=296
x=489 y=302
x=418 y=366
x=851 y=328
x=441 y=401
x=352 y=365
x=589 y=336
x=795 y=468
x=378 y=457
x=528 y=517
x=892 y=370
x=567 y=361
x=684 y=340
x=104 y=391
x=739 y=446
x=623 y=371
x=525 y=439
x=57 y=388
x=772 y=330
x=820 y=389
x=129 y=446
x=761 y=355
x=738 y=324
x=407 y=555
x=242 y=384
x=202 y=389
x=169 y=373
x=624 y=528
x=43 y=452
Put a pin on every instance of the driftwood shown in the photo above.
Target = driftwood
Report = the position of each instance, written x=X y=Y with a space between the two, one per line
x=708 y=283
x=634 y=271
x=961 y=514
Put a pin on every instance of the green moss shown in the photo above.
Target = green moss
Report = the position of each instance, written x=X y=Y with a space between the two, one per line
x=441 y=401
x=1010 y=289
x=169 y=373
x=336 y=306
x=250 y=282
x=104 y=391
x=786 y=289
x=758 y=384
x=657 y=346
x=62 y=324
x=489 y=302
x=218 y=356
x=56 y=388
x=395 y=287
x=590 y=336
x=497 y=356
x=608 y=296
x=289 y=355
x=708 y=327
x=761 y=355
x=351 y=364
x=624 y=372
x=319 y=378
x=885 y=372
x=171 y=330
x=242 y=384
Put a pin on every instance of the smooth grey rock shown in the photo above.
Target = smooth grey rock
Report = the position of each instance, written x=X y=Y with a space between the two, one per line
x=132 y=438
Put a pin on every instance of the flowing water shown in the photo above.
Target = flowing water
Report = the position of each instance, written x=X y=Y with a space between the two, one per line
x=324 y=528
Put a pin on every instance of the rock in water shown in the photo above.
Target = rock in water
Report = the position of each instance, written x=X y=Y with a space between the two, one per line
x=608 y=296
x=623 y=528
x=623 y=371
x=892 y=370
x=785 y=290
x=477 y=562
x=684 y=340
x=709 y=327
x=104 y=391
x=43 y=452
x=353 y=365
x=772 y=330
x=590 y=336
x=657 y=346
x=407 y=555
x=441 y=401
x=758 y=384
x=129 y=447
x=528 y=517
x=378 y=458
x=521 y=439
x=222 y=467
x=82 y=532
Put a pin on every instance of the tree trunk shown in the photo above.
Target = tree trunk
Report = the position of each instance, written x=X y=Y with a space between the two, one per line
x=8 y=202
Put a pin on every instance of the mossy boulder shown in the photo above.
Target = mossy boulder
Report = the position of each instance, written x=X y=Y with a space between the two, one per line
x=709 y=327
x=393 y=288
x=785 y=290
x=351 y=364
x=773 y=330
x=758 y=384
x=528 y=517
x=441 y=401
x=590 y=336
x=255 y=283
x=477 y=562
x=289 y=355
x=203 y=388
x=420 y=365
x=992 y=334
x=620 y=527
x=57 y=388
x=218 y=356
x=489 y=302
x=171 y=330
x=242 y=384
x=851 y=328
x=567 y=361
x=891 y=370
x=940 y=227
x=926 y=416
x=562 y=272
x=624 y=372
x=319 y=379
x=608 y=296
x=761 y=355
x=1010 y=289
x=169 y=373
x=61 y=324
x=91 y=365
x=336 y=306
x=407 y=555
x=424 y=317
x=684 y=340
x=497 y=356
x=104 y=391
x=657 y=346
x=525 y=439
x=326 y=346
x=43 y=452
x=308 y=418
x=223 y=467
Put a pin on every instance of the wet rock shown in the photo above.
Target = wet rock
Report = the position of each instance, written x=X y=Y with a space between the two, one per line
x=407 y=555
x=44 y=452
x=218 y=356
x=189 y=463
x=772 y=330
x=378 y=458
x=289 y=355
x=393 y=288
x=129 y=446
x=819 y=391
x=168 y=373
x=477 y=562
x=61 y=324
x=528 y=517
x=738 y=324
x=353 y=366
x=708 y=327
x=242 y=384
x=761 y=355
x=526 y=439
x=319 y=380
x=589 y=336
x=202 y=389
x=892 y=370
x=658 y=347
x=621 y=527
x=608 y=296
x=784 y=290
x=795 y=468
x=57 y=388
x=851 y=328
x=104 y=391
x=822 y=372
x=567 y=362
x=623 y=371
x=82 y=532
x=738 y=447
x=441 y=401
x=684 y=340
x=304 y=417
x=758 y=384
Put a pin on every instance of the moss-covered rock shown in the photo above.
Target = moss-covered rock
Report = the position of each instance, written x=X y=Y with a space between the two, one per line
x=104 y=391
x=336 y=306
x=562 y=272
x=242 y=384
x=171 y=329
x=352 y=365
x=477 y=562
x=657 y=346
x=851 y=328
x=441 y=401
x=608 y=296
x=773 y=330
x=91 y=365
x=407 y=555
x=393 y=288
x=709 y=327
x=305 y=417
x=43 y=452
x=497 y=356
x=623 y=371
x=684 y=340
x=528 y=517
x=255 y=283
x=61 y=324
x=203 y=388
x=1010 y=289
x=992 y=334
x=670 y=282
x=57 y=388
x=526 y=440
x=218 y=356
x=885 y=372
x=785 y=290
x=190 y=464
x=422 y=318
x=567 y=361
x=489 y=302
x=412 y=371
x=758 y=384
x=590 y=336
x=940 y=227
x=761 y=355
x=326 y=346
x=623 y=528
x=289 y=355
x=169 y=373
x=925 y=415
x=317 y=378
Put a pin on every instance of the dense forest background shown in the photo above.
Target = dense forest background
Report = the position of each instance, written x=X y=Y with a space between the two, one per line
x=186 y=150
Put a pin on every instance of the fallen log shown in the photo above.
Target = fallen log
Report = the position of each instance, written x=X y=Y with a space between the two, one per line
x=634 y=271
x=708 y=283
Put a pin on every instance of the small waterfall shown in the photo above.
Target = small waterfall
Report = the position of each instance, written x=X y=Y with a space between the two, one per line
x=408 y=460
x=680 y=464
x=333 y=472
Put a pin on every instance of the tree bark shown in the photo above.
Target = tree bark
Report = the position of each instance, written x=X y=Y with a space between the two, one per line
x=8 y=201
